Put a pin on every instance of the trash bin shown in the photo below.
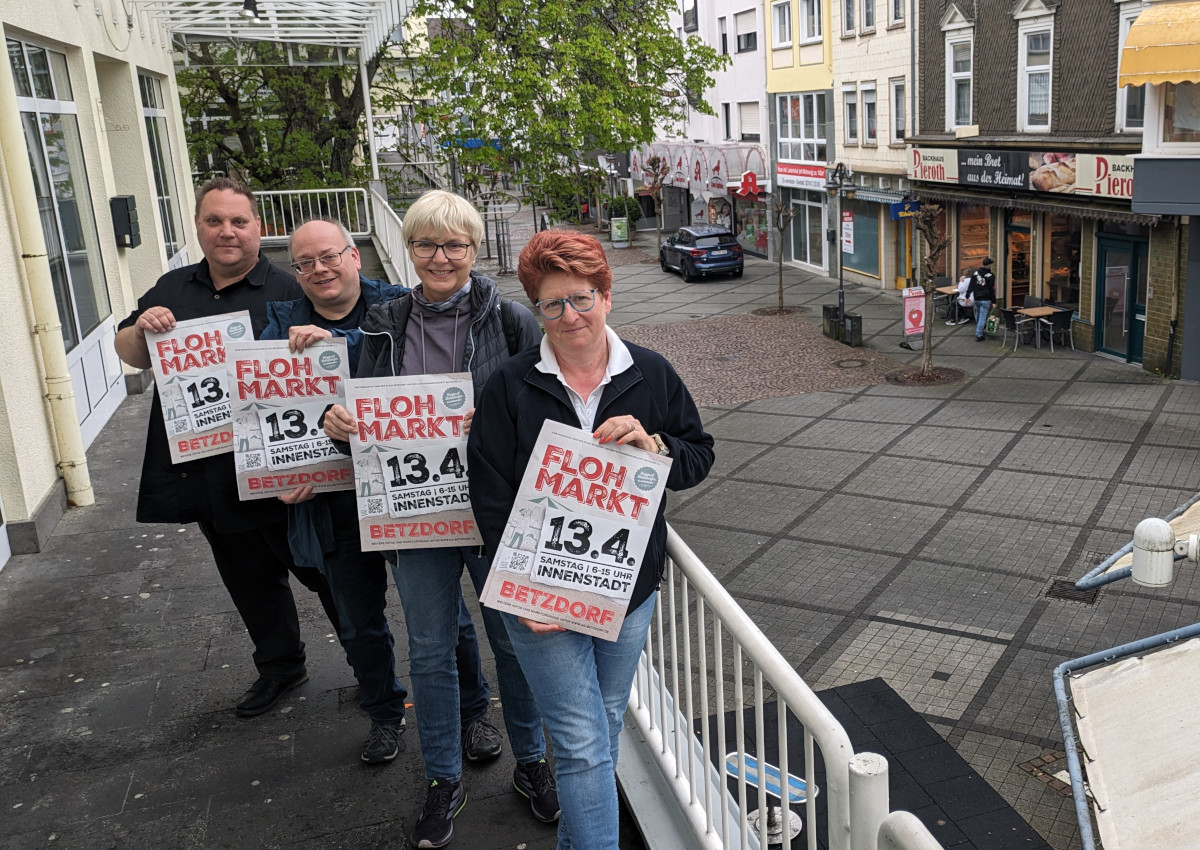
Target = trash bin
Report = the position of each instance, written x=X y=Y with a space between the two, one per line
x=831 y=324
x=852 y=330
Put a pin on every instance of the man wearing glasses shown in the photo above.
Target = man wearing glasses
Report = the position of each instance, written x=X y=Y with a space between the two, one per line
x=248 y=539
x=323 y=528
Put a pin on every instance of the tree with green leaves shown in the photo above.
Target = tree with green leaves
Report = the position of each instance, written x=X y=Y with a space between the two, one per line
x=275 y=124
x=535 y=85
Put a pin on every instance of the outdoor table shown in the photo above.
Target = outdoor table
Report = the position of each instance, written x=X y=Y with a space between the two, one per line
x=951 y=293
x=1037 y=314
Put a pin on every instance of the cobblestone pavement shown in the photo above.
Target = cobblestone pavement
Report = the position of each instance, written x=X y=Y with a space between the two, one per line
x=869 y=529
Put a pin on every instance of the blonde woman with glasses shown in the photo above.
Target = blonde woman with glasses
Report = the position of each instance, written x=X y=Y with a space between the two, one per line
x=453 y=321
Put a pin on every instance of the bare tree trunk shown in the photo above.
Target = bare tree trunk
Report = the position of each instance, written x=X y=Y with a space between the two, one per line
x=935 y=244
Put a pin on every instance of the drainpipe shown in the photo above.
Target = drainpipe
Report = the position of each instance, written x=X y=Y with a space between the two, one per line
x=1174 y=295
x=72 y=460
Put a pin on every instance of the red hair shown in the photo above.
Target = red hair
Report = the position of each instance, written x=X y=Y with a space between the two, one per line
x=563 y=251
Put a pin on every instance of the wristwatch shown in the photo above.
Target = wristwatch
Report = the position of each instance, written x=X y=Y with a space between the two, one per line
x=663 y=448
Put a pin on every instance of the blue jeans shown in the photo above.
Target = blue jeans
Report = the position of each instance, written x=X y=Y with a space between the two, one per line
x=428 y=581
x=981 y=316
x=582 y=686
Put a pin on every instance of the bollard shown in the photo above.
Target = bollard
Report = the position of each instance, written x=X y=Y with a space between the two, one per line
x=868 y=799
x=1153 y=553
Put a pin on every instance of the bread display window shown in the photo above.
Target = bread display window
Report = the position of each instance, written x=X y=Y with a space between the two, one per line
x=974 y=232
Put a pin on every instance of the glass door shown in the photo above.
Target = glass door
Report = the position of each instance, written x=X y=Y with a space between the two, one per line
x=54 y=144
x=808 y=231
x=1121 y=297
x=1016 y=262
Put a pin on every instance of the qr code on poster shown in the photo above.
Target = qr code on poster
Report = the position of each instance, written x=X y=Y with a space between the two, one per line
x=516 y=562
x=252 y=460
x=374 y=506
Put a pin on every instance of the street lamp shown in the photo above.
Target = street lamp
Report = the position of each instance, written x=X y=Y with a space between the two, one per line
x=841 y=184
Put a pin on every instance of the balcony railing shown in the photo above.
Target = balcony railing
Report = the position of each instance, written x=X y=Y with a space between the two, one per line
x=705 y=657
x=283 y=211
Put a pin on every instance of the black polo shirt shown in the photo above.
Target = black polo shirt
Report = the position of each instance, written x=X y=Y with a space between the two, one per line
x=205 y=489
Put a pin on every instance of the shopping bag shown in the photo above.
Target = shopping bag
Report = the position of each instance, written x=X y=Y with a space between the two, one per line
x=993 y=319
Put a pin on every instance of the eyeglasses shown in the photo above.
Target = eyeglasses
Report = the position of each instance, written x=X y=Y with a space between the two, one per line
x=329 y=261
x=451 y=250
x=553 y=308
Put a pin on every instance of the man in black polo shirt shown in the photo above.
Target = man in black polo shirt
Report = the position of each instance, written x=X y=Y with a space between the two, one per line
x=248 y=539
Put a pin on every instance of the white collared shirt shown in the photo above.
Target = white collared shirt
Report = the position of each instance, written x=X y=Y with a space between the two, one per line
x=619 y=360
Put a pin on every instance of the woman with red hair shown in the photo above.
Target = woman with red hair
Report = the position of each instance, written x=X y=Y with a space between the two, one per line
x=585 y=376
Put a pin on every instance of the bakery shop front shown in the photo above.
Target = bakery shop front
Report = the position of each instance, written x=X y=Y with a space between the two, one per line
x=1060 y=227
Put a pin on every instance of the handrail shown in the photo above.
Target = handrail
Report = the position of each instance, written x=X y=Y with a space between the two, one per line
x=282 y=211
x=904 y=831
x=685 y=754
x=389 y=229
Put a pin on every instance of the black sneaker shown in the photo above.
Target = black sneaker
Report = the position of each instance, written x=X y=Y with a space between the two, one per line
x=435 y=826
x=536 y=781
x=481 y=740
x=384 y=742
x=265 y=692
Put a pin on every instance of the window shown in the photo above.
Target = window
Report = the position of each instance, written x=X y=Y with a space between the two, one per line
x=958 y=82
x=726 y=115
x=850 y=115
x=868 y=15
x=690 y=21
x=1033 y=95
x=747 y=32
x=749 y=122
x=723 y=31
x=801 y=124
x=895 y=12
x=870 y=124
x=49 y=120
x=848 y=16
x=898 y=112
x=154 y=113
x=781 y=24
x=1181 y=113
x=810 y=20
x=1131 y=100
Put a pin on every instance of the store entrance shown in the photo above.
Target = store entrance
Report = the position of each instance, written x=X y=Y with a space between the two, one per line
x=1121 y=297
x=1016 y=262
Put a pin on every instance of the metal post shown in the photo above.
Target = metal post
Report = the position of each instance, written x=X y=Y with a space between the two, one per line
x=841 y=265
x=868 y=799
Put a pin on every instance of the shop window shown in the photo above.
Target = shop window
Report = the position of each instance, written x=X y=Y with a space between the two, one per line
x=865 y=259
x=974 y=231
x=1064 y=237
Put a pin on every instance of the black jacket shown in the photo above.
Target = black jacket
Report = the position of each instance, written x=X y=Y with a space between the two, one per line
x=983 y=285
x=519 y=397
x=205 y=489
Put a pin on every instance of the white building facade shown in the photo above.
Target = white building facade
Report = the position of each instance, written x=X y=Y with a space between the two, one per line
x=873 y=68
x=96 y=200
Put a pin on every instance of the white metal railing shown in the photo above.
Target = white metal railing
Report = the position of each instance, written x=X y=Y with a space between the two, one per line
x=700 y=641
x=285 y=210
x=389 y=231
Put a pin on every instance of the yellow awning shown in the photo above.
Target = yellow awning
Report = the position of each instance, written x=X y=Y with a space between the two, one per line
x=1163 y=46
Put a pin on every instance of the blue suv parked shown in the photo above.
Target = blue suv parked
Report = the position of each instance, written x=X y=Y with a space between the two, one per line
x=701 y=249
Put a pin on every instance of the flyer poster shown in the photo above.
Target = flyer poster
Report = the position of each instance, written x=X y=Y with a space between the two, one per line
x=577 y=533
x=410 y=461
x=189 y=369
x=277 y=399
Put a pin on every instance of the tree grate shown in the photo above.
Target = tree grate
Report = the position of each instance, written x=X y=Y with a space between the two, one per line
x=1065 y=589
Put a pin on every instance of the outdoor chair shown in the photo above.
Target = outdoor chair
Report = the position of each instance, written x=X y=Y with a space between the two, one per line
x=1032 y=301
x=1018 y=326
x=1058 y=324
